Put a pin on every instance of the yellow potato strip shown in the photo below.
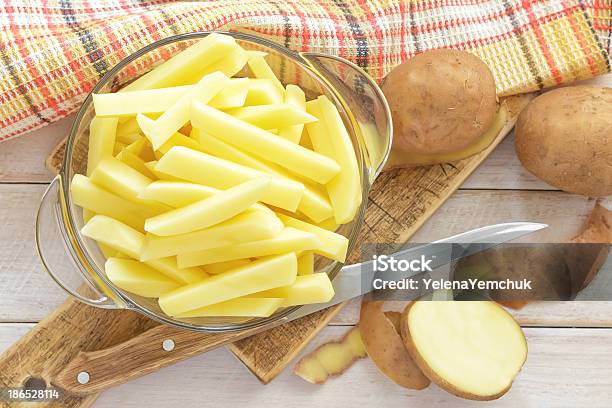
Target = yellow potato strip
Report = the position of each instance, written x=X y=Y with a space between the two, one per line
x=330 y=138
x=233 y=95
x=263 y=144
x=131 y=103
x=262 y=92
x=289 y=240
x=273 y=116
x=86 y=194
x=266 y=273
x=209 y=211
x=306 y=263
x=102 y=132
x=190 y=63
x=296 y=97
x=177 y=115
x=136 y=163
x=215 y=172
x=307 y=289
x=129 y=241
x=249 y=226
x=333 y=245
x=138 y=278
x=240 y=307
x=314 y=203
x=260 y=69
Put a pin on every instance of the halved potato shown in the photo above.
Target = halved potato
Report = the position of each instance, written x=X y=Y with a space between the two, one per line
x=472 y=349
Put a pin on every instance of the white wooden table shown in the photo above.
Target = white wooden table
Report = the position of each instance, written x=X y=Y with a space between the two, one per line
x=570 y=344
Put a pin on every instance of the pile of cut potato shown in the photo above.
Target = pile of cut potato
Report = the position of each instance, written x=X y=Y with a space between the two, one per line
x=213 y=192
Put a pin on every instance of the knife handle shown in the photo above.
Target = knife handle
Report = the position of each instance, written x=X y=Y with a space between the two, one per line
x=95 y=371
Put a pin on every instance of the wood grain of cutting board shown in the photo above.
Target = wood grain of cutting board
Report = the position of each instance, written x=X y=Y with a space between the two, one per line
x=401 y=200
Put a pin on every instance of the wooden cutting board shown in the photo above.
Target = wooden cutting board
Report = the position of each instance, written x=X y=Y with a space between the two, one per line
x=400 y=202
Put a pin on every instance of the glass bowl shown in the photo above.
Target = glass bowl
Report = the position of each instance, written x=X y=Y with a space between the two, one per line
x=77 y=264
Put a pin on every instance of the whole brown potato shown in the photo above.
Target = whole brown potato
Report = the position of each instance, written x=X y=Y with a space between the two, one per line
x=441 y=101
x=565 y=138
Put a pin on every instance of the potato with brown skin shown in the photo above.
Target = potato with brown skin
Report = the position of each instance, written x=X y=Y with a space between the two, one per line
x=441 y=101
x=564 y=137
x=384 y=346
x=473 y=350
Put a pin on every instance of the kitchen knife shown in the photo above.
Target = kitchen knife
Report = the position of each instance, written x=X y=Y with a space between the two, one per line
x=95 y=371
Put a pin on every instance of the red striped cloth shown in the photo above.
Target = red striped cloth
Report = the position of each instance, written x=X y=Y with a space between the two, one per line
x=53 y=52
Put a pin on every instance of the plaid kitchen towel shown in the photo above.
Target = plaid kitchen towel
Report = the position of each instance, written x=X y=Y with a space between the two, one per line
x=52 y=52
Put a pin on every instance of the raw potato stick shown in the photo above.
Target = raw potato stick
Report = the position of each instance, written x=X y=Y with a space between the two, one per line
x=129 y=241
x=260 y=69
x=102 y=132
x=209 y=211
x=266 y=273
x=131 y=103
x=215 y=172
x=296 y=97
x=333 y=245
x=239 y=307
x=178 y=114
x=264 y=144
x=190 y=63
x=289 y=240
x=273 y=116
x=314 y=203
x=245 y=227
x=262 y=92
x=138 y=278
x=331 y=359
x=233 y=95
x=307 y=289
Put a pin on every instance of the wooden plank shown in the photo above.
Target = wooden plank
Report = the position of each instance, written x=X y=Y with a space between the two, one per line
x=566 y=367
x=22 y=160
x=23 y=276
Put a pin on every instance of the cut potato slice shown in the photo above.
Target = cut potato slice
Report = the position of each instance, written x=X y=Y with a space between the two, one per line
x=221 y=267
x=260 y=69
x=296 y=97
x=209 y=211
x=177 y=115
x=328 y=224
x=102 y=133
x=160 y=174
x=306 y=263
x=277 y=115
x=289 y=240
x=190 y=63
x=203 y=168
x=314 y=203
x=88 y=195
x=248 y=226
x=471 y=349
x=262 y=92
x=266 y=273
x=333 y=245
x=307 y=289
x=122 y=238
x=138 y=278
x=136 y=163
x=263 y=144
x=233 y=95
x=333 y=140
x=131 y=103
x=240 y=307
x=386 y=349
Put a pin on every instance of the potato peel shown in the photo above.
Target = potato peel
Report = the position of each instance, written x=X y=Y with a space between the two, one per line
x=385 y=347
x=332 y=358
